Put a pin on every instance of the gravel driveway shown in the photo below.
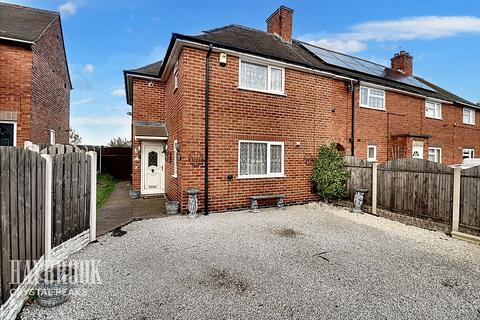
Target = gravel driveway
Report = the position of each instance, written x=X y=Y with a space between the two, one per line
x=305 y=262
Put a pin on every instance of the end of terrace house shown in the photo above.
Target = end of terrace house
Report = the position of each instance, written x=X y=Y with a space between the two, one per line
x=237 y=112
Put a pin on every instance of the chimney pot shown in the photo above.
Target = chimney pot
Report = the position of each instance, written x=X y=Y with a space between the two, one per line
x=403 y=62
x=280 y=23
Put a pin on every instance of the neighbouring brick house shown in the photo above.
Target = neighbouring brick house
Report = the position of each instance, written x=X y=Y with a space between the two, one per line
x=272 y=101
x=34 y=79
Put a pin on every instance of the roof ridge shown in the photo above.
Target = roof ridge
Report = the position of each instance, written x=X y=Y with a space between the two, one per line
x=242 y=27
x=29 y=8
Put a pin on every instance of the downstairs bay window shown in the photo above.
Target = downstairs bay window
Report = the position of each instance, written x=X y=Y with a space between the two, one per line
x=260 y=159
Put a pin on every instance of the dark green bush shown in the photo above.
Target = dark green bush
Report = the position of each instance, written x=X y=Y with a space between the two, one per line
x=329 y=173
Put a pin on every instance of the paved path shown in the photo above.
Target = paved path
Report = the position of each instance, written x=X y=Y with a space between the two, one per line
x=120 y=209
x=304 y=262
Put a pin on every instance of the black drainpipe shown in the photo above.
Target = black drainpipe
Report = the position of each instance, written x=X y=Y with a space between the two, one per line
x=207 y=100
x=352 y=138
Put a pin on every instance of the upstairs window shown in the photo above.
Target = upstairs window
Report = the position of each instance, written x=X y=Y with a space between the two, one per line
x=468 y=116
x=260 y=77
x=435 y=154
x=468 y=153
x=433 y=110
x=175 y=76
x=372 y=98
x=260 y=159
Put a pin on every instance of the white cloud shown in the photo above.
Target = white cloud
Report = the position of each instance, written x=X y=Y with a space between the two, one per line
x=68 y=8
x=120 y=92
x=83 y=101
x=89 y=68
x=98 y=130
x=426 y=27
x=347 y=46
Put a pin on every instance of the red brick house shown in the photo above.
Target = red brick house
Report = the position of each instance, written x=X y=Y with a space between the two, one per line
x=237 y=112
x=35 y=83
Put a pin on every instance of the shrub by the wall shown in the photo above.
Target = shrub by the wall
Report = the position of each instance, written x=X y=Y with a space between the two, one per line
x=329 y=174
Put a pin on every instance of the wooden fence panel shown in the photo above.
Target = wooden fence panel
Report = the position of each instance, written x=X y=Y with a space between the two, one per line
x=417 y=188
x=361 y=176
x=470 y=201
x=71 y=195
x=21 y=199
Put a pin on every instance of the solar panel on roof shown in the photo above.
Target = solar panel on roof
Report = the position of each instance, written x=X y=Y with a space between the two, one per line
x=360 y=65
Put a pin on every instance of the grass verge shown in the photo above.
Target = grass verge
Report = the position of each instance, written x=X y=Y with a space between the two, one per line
x=105 y=185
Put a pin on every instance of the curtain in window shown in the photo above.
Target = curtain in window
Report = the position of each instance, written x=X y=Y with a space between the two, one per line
x=468 y=116
x=376 y=99
x=364 y=96
x=253 y=76
x=253 y=158
x=276 y=79
x=275 y=159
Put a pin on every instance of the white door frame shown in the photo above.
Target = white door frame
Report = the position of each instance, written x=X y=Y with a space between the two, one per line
x=14 y=130
x=161 y=159
x=419 y=145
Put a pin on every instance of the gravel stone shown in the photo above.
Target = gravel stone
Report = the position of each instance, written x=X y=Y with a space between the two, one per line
x=314 y=261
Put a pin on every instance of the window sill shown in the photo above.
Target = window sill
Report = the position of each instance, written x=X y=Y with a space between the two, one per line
x=261 y=177
x=371 y=108
x=264 y=91
x=469 y=124
x=433 y=118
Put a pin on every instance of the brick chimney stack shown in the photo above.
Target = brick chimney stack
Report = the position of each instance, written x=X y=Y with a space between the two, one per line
x=403 y=62
x=280 y=23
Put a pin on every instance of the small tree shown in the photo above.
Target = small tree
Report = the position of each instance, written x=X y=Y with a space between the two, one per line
x=119 y=142
x=329 y=174
x=74 y=137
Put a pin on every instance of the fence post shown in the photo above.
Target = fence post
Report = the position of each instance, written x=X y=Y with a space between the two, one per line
x=374 y=187
x=93 y=195
x=457 y=173
x=48 y=208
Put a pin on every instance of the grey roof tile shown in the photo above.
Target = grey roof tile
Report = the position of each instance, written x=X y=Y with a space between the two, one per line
x=24 y=23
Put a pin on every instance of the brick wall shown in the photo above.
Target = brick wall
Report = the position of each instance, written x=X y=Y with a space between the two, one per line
x=15 y=85
x=148 y=105
x=50 y=87
x=406 y=114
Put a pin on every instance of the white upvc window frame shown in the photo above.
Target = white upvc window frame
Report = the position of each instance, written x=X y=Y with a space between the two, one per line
x=269 y=72
x=175 y=159
x=472 y=116
x=53 y=137
x=369 y=94
x=438 y=110
x=437 y=152
x=14 y=130
x=470 y=152
x=268 y=175
x=175 y=76
x=374 y=147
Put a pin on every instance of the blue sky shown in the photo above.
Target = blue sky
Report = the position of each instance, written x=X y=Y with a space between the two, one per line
x=103 y=38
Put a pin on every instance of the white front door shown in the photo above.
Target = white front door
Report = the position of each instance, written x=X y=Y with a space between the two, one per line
x=417 y=150
x=153 y=167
